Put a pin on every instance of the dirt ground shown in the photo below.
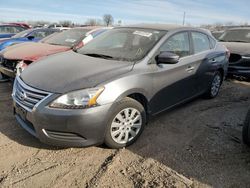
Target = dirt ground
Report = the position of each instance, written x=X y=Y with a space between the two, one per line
x=195 y=145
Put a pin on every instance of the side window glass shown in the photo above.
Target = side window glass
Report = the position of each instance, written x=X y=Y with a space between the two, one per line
x=39 y=34
x=177 y=44
x=212 y=42
x=200 y=41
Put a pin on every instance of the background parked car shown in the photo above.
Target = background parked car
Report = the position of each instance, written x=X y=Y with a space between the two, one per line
x=246 y=130
x=30 y=35
x=116 y=83
x=21 y=24
x=217 y=34
x=237 y=40
x=9 y=30
x=29 y=52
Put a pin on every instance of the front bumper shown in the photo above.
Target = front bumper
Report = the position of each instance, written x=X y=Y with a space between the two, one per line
x=66 y=128
x=239 y=71
x=7 y=72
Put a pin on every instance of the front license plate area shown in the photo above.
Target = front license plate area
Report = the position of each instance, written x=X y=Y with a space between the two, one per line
x=21 y=112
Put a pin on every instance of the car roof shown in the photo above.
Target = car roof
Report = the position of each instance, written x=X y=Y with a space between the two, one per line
x=166 y=27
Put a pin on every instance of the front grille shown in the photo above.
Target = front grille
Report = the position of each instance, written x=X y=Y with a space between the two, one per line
x=26 y=96
x=234 y=58
x=9 y=63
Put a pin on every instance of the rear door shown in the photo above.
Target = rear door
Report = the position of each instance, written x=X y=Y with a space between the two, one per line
x=205 y=58
x=174 y=83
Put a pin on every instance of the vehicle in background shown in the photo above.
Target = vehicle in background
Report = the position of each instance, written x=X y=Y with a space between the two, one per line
x=58 y=26
x=9 y=30
x=237 y=40
x=246 y=130
x=16 y=58
x=21 y=24
x=108 y=89
x=217 y=34
x=29 y=35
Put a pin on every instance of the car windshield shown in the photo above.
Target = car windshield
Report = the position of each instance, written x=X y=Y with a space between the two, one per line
x=22 y=34
x=237 y=35
x=124 y=44
x=67 y=38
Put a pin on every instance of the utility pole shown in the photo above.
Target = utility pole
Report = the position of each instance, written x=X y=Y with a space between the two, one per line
x=184 y=18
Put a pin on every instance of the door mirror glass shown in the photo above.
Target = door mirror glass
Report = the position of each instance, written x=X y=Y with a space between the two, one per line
x=167 y=58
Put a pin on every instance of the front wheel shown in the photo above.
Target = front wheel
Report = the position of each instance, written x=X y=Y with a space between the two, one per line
x=246 y=130
x=126 y=123
x=215 y=85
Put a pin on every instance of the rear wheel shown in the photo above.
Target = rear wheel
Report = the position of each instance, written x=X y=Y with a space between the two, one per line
x=126 y=123
x=246 y=130
x=215 y=85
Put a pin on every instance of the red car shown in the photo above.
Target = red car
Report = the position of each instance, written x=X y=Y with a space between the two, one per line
x=15 y=58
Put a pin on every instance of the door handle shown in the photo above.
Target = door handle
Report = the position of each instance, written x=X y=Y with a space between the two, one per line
x=190 y=69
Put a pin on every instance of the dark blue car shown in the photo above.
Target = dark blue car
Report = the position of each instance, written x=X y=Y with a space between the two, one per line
x=30 y=35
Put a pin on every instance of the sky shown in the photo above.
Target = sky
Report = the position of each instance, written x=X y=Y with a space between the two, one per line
x=128 y=11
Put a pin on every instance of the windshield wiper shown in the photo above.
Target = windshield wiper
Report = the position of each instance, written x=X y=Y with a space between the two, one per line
x=99 y=55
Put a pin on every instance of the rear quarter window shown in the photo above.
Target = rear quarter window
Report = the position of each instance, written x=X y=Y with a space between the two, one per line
x=200 y=41
x=212 y=43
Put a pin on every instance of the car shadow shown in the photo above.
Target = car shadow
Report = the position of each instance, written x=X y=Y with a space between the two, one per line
x=202 y=140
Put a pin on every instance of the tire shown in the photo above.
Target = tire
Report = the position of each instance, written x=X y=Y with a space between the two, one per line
x=214 y=86
x=122 y=128
x=246 y=130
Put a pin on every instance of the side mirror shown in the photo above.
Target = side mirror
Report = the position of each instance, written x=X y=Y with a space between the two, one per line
x=167 y=58
x=30 y=37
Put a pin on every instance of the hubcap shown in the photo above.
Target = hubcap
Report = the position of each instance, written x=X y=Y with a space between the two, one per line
x=126 y=125
x=216 y=85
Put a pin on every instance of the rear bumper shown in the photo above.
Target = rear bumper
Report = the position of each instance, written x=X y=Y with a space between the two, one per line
x=7 y=72
x=65 y=128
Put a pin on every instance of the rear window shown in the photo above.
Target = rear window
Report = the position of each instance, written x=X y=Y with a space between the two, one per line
x=11 y=29
x=201 y=42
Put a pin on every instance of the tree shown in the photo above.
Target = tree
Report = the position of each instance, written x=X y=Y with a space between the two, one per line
x=66 y=23
x=108 y=19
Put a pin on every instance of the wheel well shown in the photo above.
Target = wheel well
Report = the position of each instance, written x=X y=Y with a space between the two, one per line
x=141 y=99
x=222 y=72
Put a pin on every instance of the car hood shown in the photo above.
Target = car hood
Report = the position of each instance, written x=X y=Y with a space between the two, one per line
x=69 y=71
x=31 y=51
x=238 y=47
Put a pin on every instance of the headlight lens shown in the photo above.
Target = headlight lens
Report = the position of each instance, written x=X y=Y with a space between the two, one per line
x=20 y=68
x=78 y=99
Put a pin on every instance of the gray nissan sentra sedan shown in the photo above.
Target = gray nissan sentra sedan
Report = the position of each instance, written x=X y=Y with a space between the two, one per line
x=106 y=91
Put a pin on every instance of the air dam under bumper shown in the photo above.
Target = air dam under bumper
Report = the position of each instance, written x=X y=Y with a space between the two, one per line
x=239 y=71
x=65 y=128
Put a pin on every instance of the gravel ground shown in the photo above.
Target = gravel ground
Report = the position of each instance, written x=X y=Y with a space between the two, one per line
x=195 y=145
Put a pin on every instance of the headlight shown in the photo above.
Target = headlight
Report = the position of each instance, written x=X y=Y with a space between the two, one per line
x=78 y=99
x=20 y=68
